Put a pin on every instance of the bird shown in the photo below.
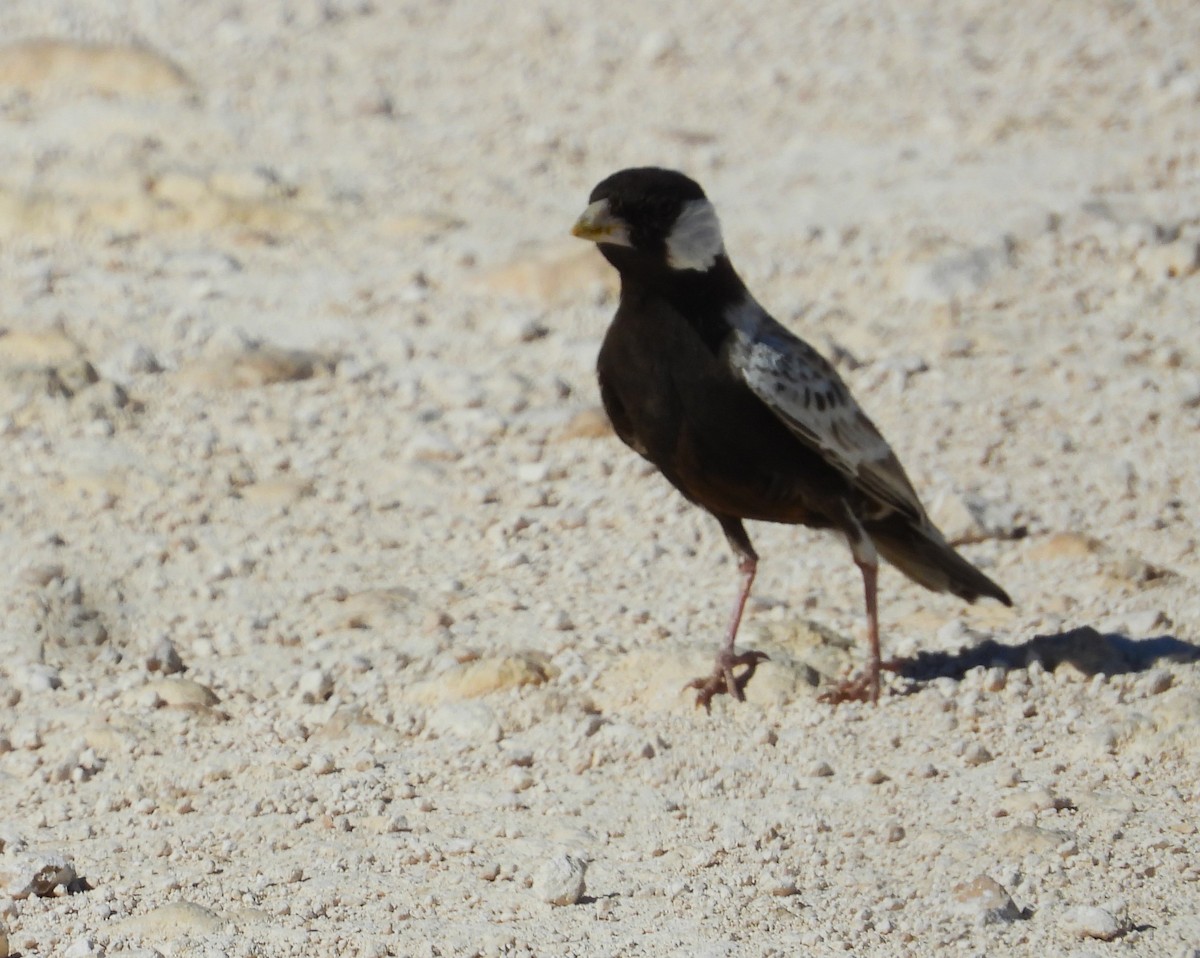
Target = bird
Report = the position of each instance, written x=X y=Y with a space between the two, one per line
x=745 y=418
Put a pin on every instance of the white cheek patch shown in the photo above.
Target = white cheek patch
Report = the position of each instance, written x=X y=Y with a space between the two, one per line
x=695 y=241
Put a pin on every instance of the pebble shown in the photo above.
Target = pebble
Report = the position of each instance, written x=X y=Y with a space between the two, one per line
x=1157 y=681
x=34 y=873
x=1091 y=921
x=37 y=677
x=181 y=693
x=986 y=900
x=976 y=754
x=173 y=921
x=469 y=721
x=486 y=675
x=83 y=947
x=315 y=686
x=783 y=887
x=164 y=658
x=322 y=764
x=560 y=880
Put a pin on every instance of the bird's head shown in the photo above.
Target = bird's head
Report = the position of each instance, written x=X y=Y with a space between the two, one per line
x=649 y=217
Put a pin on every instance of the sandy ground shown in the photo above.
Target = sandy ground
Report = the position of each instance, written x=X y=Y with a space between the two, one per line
x=336 y=622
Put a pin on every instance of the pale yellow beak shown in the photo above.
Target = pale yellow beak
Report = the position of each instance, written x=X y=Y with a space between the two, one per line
x=599 y=225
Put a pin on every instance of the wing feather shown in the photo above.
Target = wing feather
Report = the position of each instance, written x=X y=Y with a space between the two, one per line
x=800 y=387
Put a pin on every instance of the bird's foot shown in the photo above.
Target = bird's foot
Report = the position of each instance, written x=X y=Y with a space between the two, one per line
x=723 y=681
x=858 y=688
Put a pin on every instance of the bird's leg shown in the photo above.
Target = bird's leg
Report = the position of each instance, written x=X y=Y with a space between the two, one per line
x=723 y=679
x=865 y=687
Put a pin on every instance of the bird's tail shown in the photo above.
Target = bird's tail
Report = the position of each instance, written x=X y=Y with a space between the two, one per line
x=923 y=554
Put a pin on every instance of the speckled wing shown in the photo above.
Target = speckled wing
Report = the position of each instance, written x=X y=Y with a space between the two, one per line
x=800 y=386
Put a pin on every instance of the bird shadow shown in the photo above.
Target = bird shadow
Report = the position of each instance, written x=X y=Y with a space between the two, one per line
x=1089 y=651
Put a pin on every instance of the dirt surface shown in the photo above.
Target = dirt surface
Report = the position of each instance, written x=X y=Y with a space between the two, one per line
x=337 y=622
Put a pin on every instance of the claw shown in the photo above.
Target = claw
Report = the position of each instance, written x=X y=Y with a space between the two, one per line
x=723 y=681
x=862 y=688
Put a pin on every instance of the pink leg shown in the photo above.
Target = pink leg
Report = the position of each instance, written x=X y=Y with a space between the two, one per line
x=865 y=687
x=870 y=574
x=722 y=680
x=747 y=566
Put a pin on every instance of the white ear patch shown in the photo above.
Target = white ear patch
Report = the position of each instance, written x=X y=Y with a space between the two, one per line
x=695 y=241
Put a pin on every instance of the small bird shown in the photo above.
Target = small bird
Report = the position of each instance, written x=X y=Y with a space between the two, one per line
x=744 y=418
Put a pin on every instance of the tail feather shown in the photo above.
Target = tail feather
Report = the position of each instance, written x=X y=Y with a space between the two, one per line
x=924 y=556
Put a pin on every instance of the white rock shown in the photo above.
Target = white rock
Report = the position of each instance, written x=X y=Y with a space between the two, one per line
x=470 y=721
x=1091 y=921
x=322 y=764
x=560 y=881
x=986 y=900
x=83 y=947
x=34 y=873
x=164 y=658
x=39 y=678
x=315 y=686
x=976 y=754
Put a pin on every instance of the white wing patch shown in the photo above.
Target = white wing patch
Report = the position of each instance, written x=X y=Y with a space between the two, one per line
x=799 y=385
x=695 y=241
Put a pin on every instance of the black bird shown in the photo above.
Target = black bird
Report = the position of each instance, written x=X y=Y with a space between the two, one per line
x=744 y=418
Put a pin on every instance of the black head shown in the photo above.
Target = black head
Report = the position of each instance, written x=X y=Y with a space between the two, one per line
x=652 y=217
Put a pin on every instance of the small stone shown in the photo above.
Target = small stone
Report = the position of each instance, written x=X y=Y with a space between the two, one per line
x=315 y=686
x=874 y=776
x=322 y=764
x=1031 y=840
x=486 y=675
x=519 y=780
x=42 y=575
x=1176 y=260
x=782 y=887
x=164 y=658
x=1091 y=921
x=181 y=693
x=995 y=679
x=986 y=900
x=976 y=754
x=518 y=330
x=37 y=677
x=173 y=920
x=469 y=721
x=34 y=873
x=132 y=359
x=1158 y=681
x=895 y=833
x=560 y=881
x=821 y=770
x=83 y=947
